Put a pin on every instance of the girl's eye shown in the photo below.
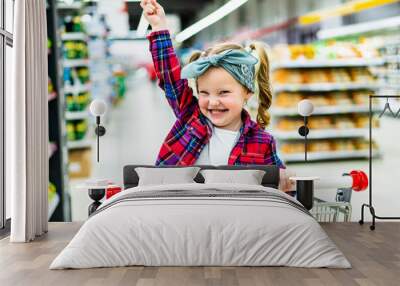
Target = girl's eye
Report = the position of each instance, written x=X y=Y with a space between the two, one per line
x=224 y=91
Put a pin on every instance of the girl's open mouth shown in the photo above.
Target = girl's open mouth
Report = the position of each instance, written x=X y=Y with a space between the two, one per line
x=217 y=111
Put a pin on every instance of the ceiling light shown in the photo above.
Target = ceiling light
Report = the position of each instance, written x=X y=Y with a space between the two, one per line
x=209 y=20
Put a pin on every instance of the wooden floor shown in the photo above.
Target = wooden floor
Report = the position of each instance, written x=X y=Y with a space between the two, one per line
x=374 y=255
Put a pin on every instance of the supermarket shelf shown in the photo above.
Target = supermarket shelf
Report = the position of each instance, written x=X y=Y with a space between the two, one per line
x=387 y=73
x=77 y=89
x=323 y=134
x=360 y=28
x=390 y=87
x=392 y=58
x=80 y=144
x=331 y=155
x=75 y=63
x=72 y=6
x=323 y=110
x=353 y=62
x=76 y=115
x=73 y=36
x=53 y=205
x=324 y=86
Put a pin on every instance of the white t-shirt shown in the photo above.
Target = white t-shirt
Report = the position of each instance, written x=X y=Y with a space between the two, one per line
x=218 y=149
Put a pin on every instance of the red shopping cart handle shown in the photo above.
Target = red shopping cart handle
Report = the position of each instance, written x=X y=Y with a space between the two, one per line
x=360 y=180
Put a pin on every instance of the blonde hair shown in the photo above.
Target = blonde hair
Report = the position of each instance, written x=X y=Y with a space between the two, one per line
x=262 y=78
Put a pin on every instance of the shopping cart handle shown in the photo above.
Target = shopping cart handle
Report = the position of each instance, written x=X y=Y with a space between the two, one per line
x=305 y=190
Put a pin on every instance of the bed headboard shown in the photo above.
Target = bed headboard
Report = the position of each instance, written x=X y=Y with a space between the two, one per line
x=270 y=179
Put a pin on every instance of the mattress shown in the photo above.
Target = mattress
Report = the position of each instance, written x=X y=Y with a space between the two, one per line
x=201 y=225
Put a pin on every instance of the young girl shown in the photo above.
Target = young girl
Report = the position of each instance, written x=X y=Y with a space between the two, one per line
x=215 y=128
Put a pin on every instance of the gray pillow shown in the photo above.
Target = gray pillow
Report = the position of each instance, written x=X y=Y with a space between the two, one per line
x=248 y=177
x=166 y=176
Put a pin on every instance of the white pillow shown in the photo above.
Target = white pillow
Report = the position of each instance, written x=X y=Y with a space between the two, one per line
x=166 y=176
x=248 y=177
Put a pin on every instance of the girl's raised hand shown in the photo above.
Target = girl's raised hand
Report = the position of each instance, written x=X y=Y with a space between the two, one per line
x=154 y=14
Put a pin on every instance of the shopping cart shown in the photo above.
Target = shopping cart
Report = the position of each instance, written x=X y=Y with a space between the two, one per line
x=325 y=211
x=340 y=209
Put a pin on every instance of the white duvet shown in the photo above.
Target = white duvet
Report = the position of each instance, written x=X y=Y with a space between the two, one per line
x=207 y=230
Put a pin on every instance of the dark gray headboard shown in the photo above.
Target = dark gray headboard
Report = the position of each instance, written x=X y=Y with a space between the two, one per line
x=270 y=179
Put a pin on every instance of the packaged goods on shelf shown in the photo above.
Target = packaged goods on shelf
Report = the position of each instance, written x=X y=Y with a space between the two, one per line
x=76 y=129
x=335 y=99
x=51 y=190
x=72 y=24
x=80 y=163
x=49 y=44
x=75 y=49
x=320 y=146
x=337 y=79
x=389 y=74
x=292 y=148
x=321 y=122
x=339 y=121
x=324 y=51
x=288 y=124
x=343 y=123
x=340 y=98
x=53 y=199
x=327 y=75
x=77 y=102
x=287 y=99
x=336 y=145
x=76 y=75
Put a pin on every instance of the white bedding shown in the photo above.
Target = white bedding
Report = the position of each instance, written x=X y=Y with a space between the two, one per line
x=189 y=230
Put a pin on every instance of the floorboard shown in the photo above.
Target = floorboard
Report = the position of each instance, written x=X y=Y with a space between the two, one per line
x=374 y=255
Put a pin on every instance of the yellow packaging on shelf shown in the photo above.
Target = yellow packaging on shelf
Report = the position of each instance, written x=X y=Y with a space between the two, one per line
x=80 y=163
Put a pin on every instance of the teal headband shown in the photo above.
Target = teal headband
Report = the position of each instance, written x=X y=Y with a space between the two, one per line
x=240 y=64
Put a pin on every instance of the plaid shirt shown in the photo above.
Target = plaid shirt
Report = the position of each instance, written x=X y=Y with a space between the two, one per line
x=192 y=130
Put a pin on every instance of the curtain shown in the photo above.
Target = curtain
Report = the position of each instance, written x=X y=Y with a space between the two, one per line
x=27 y=123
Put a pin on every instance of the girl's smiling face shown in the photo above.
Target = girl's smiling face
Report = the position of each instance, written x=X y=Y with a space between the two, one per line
x=221 y=98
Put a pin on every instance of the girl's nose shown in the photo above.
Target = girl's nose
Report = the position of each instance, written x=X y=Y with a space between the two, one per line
x=213 y=101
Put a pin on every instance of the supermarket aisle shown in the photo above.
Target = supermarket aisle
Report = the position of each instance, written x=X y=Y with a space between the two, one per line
x=135 y=130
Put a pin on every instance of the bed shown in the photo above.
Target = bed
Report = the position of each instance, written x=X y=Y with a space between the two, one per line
x=201 y=224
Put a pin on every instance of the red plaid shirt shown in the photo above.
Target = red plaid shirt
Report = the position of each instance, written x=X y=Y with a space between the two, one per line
x=192 y=130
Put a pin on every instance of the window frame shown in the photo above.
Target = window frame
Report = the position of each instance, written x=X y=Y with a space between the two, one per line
x=6 y=39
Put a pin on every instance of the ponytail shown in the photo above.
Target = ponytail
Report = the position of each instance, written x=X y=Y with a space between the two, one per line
x=194 y=56
x=263 y=85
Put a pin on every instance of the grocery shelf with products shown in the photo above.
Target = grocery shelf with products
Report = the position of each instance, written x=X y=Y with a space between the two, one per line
x=77 y=86
x=69 y=95
x=383 y=36
x=336 y=77
x=58 y=156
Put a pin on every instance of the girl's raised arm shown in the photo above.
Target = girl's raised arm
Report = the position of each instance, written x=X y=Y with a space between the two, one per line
x=166 y=63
